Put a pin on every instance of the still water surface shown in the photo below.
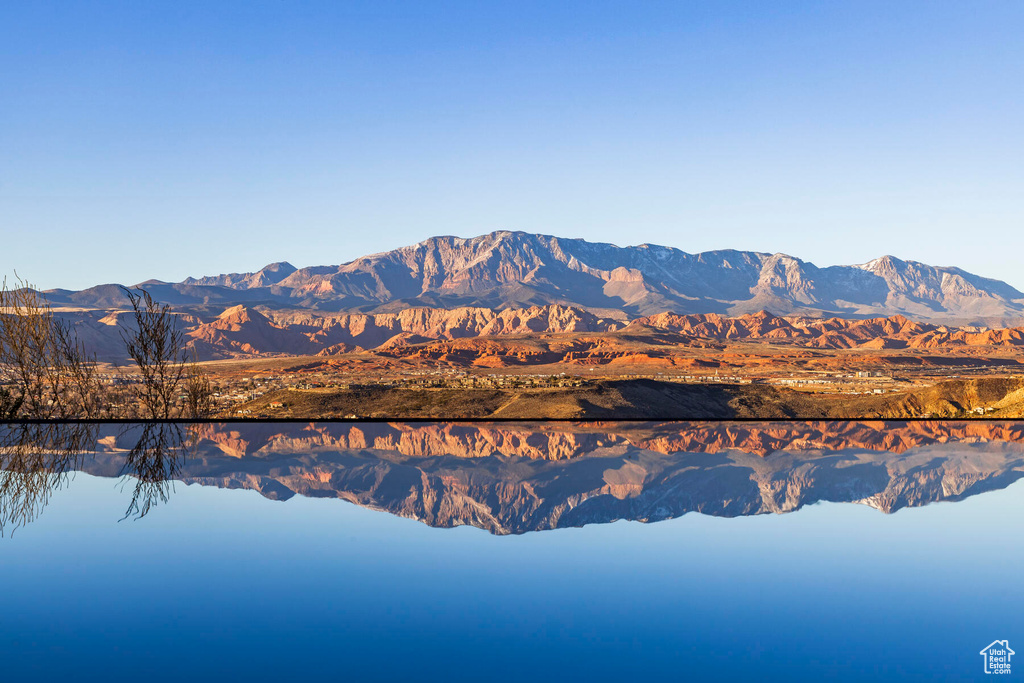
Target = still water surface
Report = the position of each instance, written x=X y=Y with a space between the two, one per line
x=509 y=552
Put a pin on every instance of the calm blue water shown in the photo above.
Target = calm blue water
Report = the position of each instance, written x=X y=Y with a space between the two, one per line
x=223 y=583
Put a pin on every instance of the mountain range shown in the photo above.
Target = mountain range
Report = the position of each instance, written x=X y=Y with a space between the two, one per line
x=516 y=270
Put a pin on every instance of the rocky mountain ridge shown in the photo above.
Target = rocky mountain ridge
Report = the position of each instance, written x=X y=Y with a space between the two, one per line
x=514 y=270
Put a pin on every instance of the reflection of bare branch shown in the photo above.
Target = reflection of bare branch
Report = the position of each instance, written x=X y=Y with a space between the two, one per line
x=35 y=460
x=154 y=463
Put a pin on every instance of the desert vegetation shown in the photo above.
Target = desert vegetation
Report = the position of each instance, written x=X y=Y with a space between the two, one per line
x=46 y=373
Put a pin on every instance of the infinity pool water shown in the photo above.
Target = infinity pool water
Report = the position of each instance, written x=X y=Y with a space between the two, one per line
x=240 y=571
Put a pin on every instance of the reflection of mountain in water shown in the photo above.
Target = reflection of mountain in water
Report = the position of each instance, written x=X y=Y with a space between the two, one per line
x=517 y=478
x=555 y=441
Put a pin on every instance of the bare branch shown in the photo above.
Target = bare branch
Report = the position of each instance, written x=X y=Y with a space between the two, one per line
x=169 y=385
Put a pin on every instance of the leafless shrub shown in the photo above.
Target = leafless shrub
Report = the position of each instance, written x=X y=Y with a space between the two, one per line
x=88 y=397
x=47 y=373
x=157 y=347
x=169 y=385
x=10 y=404
x=198 y=393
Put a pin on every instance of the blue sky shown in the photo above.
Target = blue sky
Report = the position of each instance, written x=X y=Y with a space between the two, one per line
x=164 y=140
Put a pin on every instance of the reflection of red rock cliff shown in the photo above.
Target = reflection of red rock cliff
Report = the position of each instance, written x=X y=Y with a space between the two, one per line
x=564 y=440
x=408 y=439
x=405 y=471
x=766 y=438
x=513 y=478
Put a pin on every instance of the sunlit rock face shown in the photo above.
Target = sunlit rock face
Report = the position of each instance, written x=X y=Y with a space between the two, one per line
x=513 y=478
x=561 y=334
